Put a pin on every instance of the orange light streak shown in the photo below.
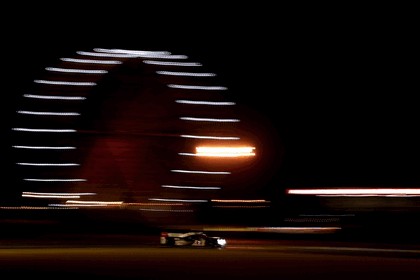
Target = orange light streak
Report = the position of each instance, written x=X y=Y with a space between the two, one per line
x=225 y=151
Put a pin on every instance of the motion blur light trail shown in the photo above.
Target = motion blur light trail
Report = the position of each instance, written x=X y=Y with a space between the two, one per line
x=116 y=127
x=225 y=151
x=356 y=192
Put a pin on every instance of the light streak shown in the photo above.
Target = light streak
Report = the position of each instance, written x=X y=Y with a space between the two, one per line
x=191 y=187
x=56 y=193
x=210 y=137
x=201 y=172
x=94 y=202
x=65 y=83
x=50 y=196
x=355 y=191
x=188 y=74
x=107 y=54
x=197 y=102
x=145 y=54
x=47 y=164
x=196 y=87
x=54 y=180
x=225 y=151
x=54 y=97
x=178 y=200
x=207 y=119
x=78 y=71
x=134 y=52
x=91 y=61
x=48 y=113
x=43 y=130
x=171 y=63
x=45 y=147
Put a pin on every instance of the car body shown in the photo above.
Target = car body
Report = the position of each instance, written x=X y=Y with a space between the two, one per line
x=191 y=239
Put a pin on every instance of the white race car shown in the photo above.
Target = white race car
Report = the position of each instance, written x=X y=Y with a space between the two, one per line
x=191 y=239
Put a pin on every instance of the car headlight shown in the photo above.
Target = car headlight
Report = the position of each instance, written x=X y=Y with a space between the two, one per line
x=221 y=241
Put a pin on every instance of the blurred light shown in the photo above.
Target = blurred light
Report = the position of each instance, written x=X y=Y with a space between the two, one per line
x=47 y=164
x=221 y=241
x=43 y=130
x=91 y=61
x=293 y=230
x=45 y=147
x=207 y=119
x=241 y=203
x=187 y=154
x=153 y=204
x=107 y=54
x=170 y=56
x=170 y=63
x=356 y=192
x=201 y=172
x=188 y=74
x=178 y=200
x=191 y=187
x=37 y=208
x=313 y=220
x=197 y=87
x=50 y=196
x=136 y=52
x=54 y=97
x=54 y=180
x=65 y=83
x=240 y=200
x=196 y=102
x=211 y=137
x=78 y=71
x=49 y=113
x=79 y=202
x=150 y=54
x=45 y=194
x=225 y=151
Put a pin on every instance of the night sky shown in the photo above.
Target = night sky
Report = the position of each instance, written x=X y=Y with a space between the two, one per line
x=333 y=90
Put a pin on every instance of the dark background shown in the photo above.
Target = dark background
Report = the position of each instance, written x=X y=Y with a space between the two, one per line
x=334 y=86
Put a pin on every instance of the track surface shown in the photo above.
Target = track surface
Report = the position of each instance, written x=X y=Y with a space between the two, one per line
x=141 y=257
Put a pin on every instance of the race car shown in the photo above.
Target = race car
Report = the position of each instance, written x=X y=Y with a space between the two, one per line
x=191 y=239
